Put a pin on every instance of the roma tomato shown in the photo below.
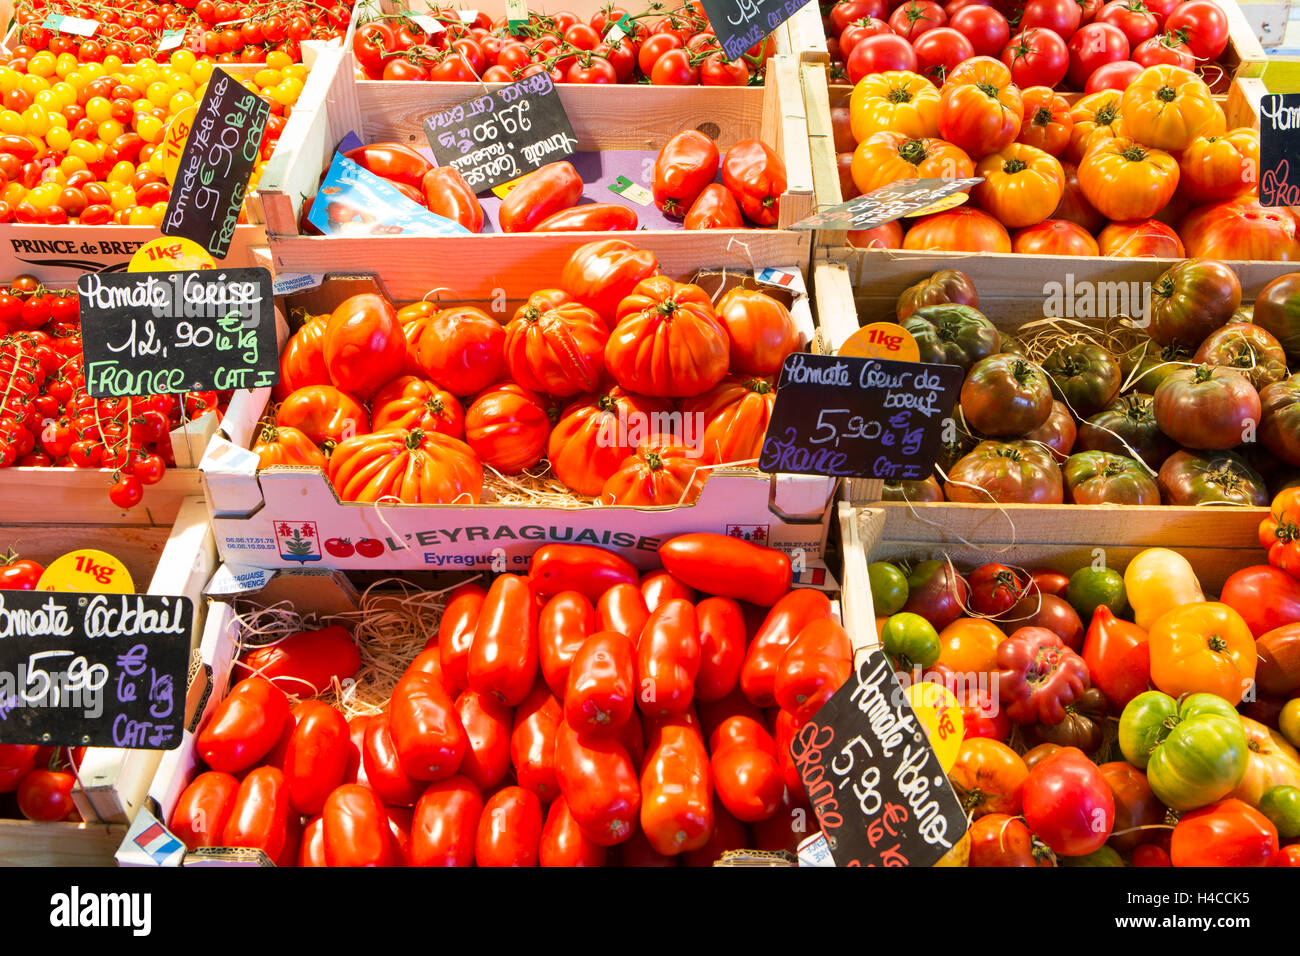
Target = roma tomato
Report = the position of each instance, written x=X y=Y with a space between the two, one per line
x=244 y=726
x=746 y=773
x=444 y=827
x=668 y=660
x=623 y=609
x=262 y=818
x=563 y=625
x=426 y=728
x=676 y=786
x=203 y=808
x=487 y=726
x=381 y=767
x=355 y=828
x=728 y=567
x=540 y=194
x=532 y=743
x=503 y=658
x=1068 y=803
x=686 y=164
x=456 y=634
x=722 y=647
x=601 y=694
x=756 y=176
x=598 y=784
x=714 y=208
x=509 y=829
x=814 y=666
x=317 y=755
x=578 y=567
x=787 y=618
x=563 y=843
x=448 y=195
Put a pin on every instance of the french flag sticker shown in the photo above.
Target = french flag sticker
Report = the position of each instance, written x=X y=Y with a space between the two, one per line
x=774 y=276
x=159 y=845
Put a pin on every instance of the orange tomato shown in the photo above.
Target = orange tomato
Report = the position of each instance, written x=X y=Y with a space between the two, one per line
x=988 y=777
x=1022 y=185
x=1126 y=180
x=980 y=109
x=1055 y=237
x=1096 y=119
x=1220 y=167
x=969 y=645
x=1167 y=107
x=1202 y=647
x=1048 y=124
x=958 y=230
x=887 y=157
x=895 y=101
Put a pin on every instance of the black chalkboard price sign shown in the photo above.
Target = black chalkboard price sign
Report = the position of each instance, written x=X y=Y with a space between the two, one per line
x=1279 y=147
x=872 y=777
x=886 y=204
x=739 y=24
x=96 y=670
x=215 y=165
x=147 y=333
x=847 y=417
x=502 y=135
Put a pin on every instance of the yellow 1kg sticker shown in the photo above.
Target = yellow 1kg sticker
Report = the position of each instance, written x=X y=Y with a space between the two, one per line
x=173 y=144
x=940 y=716
x=884 y=340
x=87 y=570
x=170 y=254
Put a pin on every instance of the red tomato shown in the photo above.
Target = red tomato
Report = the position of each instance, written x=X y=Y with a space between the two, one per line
x=244 y=727
x=1062 y=17
x=601 y=694
x=46 y=795
x=722 y=647
x=563 y=625
x=599 y=785
x=1092 y=46
x=307 y=662
x=364 y=346
x=1037 y=57
x=510 y=829
x=311 y=851
x=444 y=827
x=1265 y=597
x=487 y=725
x=984 y=27
x=356 y=828
x=1113 y=76
x=563 y=843
x=1166 y=48
x=382 y=767
x=461 y=348
x=317 y=755
x=1118 y=657
x=746 y=773
x=1228 y=833
x=939 y=51
x=426 y=729
x=456 y=634
x=540 y=194
x=728 y=567
x=262 y=818
x=503 y=657
x=816 y=663
x=880 y=54
x=507 y=426
x=668 y=659
x=676 y=787
x=203 y=808
x=914 y=18
x=1068 y=803
x=601 y=273
x=1133 y=17
x=623 y=609
x=578 y=567
x=782 y=625
x=1205 y=25
x=532 y=743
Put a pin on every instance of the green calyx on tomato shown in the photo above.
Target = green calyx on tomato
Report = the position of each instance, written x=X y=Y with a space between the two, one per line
x=910 y=640
x=1194 y=753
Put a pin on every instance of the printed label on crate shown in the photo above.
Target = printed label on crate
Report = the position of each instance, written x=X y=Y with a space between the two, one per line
x=77 y=26
x=625 y=27
x=880 y=206
x=814 y=851
x=859 y=417
x=147 y=333
x=352 y=201
x=1279 y=143
x=739 y=24
x=149 y=843
x=220 y=151
x=872 y=776
x=430 y=25
x=499 y=136
x=287 y=283
x=236 y=579
x=96 y=670
x=516 y=16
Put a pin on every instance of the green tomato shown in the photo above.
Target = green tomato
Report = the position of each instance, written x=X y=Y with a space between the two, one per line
x=1106 y=856
x=1289 y=722
x=1193 y=754
x=888 y=588
x=1092 y=587
x=910 y=640
x=1281 y=805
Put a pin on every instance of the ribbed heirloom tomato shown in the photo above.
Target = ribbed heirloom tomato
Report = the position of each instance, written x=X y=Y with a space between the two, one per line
x=601 y=273
x=324 y=414
x=303 y=360
x=1168 y=107
x=668 y=340
x=760 y=329
x=1126 y=181
x=556 y=346
x=415 y=467
x=507 y=426
x=411 y=402
x=898 y=102
x=364 y=347
x=887 y=157
x=1022 y=185
x=461 y=348
x=730 y=420
x=284 y=445
x=661 y=471
x=980 y=109
x=597 y=432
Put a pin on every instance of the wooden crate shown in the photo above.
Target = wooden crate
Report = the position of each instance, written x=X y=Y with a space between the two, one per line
x=627 y=117
x=1064 y=539
x=113 y=783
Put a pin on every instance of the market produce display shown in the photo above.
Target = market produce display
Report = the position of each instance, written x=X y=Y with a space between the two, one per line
x=751 y=178
x=227 y=32
x=48 y=421
x=630 y=385
x=1115 y=716
x=1084 y=47
x=80 y=141
x=1191 y=406
x=1150 y=170
x=667 y=44
x=578 y=715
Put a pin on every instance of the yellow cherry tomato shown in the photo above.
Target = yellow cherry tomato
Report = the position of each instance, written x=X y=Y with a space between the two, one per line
x=1157 y=581
x=42 y=64
x=12 y=122
x=58 y=138
x=183 y=60
x=110 y=130
x=99 y=109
